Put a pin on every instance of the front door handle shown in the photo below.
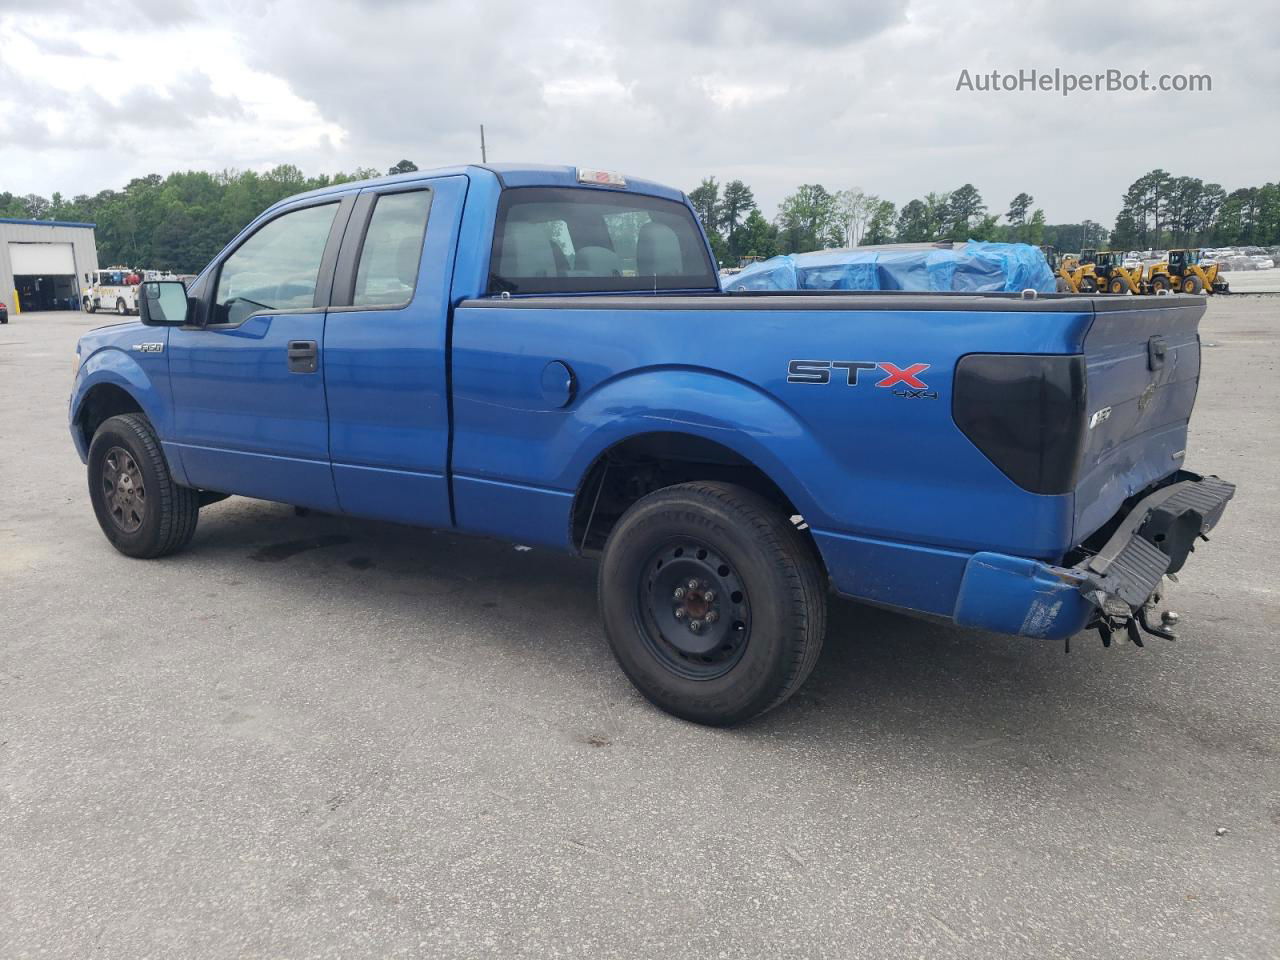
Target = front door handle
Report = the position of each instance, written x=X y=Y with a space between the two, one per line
x=303 y=356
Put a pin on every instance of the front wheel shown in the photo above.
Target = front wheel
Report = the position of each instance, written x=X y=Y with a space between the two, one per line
x=1191 y=284
x=714 y=604
x=1088 y=285
x=121 y=308
x=1118 y=285
x=139 y=507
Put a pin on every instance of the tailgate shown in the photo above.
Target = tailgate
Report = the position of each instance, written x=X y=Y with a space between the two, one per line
x=1142 y=361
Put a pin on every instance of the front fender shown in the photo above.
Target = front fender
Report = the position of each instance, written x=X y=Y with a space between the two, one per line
x=119 y=368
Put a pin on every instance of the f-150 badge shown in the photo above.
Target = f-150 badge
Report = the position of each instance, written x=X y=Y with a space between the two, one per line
x=149 y=347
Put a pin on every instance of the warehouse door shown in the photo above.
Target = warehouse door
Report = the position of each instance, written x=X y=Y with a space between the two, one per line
x=44 y=276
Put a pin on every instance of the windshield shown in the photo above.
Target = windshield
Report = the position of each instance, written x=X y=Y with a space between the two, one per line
x=583 y=240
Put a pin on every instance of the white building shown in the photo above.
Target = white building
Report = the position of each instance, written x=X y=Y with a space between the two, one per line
x=45 y=264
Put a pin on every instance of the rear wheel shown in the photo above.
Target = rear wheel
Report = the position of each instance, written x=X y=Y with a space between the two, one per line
x=1191 y=284
x=713 y=603
x=121 y=308
x=140 y=508
x=1118 y=285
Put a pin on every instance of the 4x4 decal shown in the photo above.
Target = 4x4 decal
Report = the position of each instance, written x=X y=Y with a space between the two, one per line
x=819 y=371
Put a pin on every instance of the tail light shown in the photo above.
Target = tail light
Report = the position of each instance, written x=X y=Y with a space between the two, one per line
x=1026 y=413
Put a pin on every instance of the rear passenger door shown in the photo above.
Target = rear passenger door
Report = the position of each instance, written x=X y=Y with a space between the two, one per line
x=384 y=352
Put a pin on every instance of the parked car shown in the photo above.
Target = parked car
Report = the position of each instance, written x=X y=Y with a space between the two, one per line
x=544 y=355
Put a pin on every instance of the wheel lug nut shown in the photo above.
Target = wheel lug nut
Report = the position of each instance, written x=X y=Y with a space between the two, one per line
x=679 y=613
x=679 y=594
x=692 y=584
x=712 y=616
x=695 y=625
x=708 y=595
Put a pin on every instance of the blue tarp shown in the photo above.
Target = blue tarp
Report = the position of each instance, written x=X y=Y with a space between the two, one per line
x=976 y=267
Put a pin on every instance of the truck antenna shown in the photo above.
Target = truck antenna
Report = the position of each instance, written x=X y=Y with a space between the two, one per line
x=484 y=156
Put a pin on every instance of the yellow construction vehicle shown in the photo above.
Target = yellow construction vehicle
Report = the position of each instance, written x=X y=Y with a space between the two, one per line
x=1183 y=272
x=1075 y=275
x=1062 y=280
x=1113 y=276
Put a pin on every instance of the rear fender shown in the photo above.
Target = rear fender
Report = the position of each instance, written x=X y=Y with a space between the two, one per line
x=700 y=403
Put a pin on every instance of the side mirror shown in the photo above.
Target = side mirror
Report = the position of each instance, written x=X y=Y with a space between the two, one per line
x=163 y=303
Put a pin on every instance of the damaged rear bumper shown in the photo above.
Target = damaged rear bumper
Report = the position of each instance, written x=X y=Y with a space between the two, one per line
x=1110 y=588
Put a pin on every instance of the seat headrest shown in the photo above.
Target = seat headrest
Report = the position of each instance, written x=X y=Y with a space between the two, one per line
x=526 y=251
x=658 y=251
x=596 y=262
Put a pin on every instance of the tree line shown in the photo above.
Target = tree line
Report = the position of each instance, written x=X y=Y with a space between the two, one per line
x=1159 y=211
x=181 y=221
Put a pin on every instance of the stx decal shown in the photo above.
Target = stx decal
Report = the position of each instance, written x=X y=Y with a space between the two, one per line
x=819 y=371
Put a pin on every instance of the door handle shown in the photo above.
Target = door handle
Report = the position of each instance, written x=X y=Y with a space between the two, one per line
x=303 y=356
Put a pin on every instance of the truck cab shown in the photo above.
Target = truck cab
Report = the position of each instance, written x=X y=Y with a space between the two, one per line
x=544 y=355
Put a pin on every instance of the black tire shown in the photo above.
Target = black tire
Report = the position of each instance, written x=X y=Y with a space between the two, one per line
x=770 y=602
x=1088 y=285
x=1118 y=285
x=159 y=519
x=92 y=306
x=1191 y=284
x=1159 y=282
x=121 y=309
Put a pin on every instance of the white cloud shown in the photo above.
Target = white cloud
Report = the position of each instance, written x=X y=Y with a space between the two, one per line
x=775 y=94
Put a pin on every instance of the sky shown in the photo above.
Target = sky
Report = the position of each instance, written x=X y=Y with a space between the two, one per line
x=853 y=93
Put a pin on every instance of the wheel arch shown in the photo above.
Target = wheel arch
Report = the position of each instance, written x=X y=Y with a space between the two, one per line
x=111 y=382
x=648 y=460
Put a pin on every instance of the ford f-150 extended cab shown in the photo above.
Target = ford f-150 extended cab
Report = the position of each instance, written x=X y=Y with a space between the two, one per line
x=544 y=354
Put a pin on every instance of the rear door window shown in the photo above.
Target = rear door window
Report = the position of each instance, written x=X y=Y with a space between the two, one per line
x=388 y=270
x=581 y=240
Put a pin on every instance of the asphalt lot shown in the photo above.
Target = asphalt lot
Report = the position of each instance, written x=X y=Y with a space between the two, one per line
x=315 y=737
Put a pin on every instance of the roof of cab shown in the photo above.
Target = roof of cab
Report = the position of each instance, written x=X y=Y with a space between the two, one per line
x=508 y=174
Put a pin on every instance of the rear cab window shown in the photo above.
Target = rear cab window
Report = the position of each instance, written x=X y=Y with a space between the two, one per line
x=585 y=240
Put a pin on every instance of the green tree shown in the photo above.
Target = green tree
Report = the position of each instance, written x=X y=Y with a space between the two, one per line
x=962 y=210
x=404 y=166
x=880 y=226
x=738 y=201
x=1035 y=228
x=916 y=223
x=807 y=219
x=706 y=203
x=757 y=237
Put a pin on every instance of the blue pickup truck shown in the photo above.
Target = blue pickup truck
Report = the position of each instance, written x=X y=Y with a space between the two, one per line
x=545 y=355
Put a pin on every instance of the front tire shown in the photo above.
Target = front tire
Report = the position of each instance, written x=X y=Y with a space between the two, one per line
x=731 y=561
x=1191 y=284
x=121 y=308
x=140 y=508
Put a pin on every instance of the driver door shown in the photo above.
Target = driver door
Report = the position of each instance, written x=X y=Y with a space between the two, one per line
x=250 y=414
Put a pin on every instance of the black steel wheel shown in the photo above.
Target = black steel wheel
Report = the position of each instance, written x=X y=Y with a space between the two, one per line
x=713 y=602
x=695 y=610
x=139 y=507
